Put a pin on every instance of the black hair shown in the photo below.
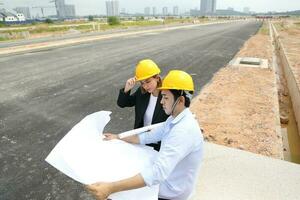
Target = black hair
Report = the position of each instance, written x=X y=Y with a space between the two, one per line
x=178 y=93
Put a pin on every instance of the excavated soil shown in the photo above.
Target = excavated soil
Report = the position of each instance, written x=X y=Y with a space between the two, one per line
x=239 y=107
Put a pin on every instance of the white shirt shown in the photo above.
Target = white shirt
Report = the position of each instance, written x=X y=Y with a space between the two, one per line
x=179 y=158
x=150 y=110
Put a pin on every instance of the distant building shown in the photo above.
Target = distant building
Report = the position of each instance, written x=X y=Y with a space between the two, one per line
x=246 y=10
x=2 y=18
x=11 y=17
x=165 y=11
x=21 y=17
x=208 y=6
x=147 y=11
x=24 y=10
x=112 y=8
x=194 y=12
x=230 y=8
x=175 y=10
x=154 y=11
x=70 y=10
x=8 y=17
x=63 y=10
x=60 y=8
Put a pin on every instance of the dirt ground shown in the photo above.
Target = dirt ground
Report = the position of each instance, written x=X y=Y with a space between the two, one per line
x=239 y=107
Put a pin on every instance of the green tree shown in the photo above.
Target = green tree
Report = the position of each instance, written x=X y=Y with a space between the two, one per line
x=91 y=18
x=2 y=24
x=49 y=21
x=112 y=20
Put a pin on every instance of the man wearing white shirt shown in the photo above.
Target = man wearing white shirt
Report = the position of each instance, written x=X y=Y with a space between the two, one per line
x=176 y=166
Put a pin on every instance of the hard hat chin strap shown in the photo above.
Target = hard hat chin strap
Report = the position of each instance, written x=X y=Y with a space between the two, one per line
x=175 y=103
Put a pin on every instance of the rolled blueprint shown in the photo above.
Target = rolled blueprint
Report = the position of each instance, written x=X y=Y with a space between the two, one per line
x=139 y=130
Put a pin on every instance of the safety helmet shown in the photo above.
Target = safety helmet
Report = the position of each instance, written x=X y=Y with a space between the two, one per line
x=177 y=80
x=146 y=69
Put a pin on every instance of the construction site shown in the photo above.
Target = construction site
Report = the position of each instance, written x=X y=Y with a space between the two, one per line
x=246 y=73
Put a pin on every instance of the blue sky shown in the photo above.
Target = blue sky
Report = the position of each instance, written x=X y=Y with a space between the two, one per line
x=86 y=7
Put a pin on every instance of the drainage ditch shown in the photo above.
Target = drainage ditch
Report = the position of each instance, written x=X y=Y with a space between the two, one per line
x=290 y=132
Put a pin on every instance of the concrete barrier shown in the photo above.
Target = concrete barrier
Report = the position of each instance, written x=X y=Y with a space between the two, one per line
x=232 y=174
x=292 y=85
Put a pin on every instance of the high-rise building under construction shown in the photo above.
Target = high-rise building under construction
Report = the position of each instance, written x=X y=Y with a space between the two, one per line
x=208 y=6
x=64 y=10
x=112 y=8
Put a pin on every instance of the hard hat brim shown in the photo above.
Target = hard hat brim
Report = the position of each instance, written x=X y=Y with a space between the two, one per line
x=143 y=78
x=174 y=88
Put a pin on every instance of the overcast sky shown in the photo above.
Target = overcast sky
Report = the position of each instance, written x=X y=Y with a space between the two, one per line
x=86 y=7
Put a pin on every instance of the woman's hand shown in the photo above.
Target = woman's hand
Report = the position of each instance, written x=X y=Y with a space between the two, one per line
x=110 y=136
x=129 y=84
x=100 y=190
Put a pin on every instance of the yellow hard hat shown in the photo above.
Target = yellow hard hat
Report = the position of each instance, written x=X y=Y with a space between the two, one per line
x=146 y=69
x=177 y=80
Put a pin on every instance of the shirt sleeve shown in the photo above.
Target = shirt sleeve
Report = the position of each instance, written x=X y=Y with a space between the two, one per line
x=177 y=146
x=152 y=136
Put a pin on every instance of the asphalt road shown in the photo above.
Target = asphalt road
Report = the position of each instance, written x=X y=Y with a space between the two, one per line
x=43 y=94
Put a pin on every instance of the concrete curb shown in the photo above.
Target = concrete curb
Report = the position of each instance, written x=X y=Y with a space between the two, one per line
x=276 y=103
x=291 y=80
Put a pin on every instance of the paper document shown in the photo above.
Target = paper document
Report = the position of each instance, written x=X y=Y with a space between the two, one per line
x=82 y=155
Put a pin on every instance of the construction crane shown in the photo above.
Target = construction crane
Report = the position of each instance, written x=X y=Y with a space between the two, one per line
x=42 y=9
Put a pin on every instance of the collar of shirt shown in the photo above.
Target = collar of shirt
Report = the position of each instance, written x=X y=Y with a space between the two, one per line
x=180 y=116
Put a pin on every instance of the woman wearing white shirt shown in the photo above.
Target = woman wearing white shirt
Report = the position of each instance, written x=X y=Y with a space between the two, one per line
x=146 y=99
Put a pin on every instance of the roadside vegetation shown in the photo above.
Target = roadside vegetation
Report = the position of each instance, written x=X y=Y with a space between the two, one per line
x=2 y=25
x=264 y=29
x=50 y=27
x=112 y=20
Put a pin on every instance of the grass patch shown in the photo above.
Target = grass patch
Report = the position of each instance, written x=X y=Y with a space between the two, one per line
x=141 y=23
x=57 y=27
x=279 y=26
x=12 y=31
x=84 y=27
x=297 y=24
x=3 y=39
x=264 y=30
x=46 y=29
x=2 y=25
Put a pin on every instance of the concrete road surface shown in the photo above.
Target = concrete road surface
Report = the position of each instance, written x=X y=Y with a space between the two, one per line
x=43 y=94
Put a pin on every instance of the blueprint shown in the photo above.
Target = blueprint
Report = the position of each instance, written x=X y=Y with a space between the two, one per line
x=83 y=156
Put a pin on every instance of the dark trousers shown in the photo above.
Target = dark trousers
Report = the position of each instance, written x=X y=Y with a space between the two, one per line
x=162 y=199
